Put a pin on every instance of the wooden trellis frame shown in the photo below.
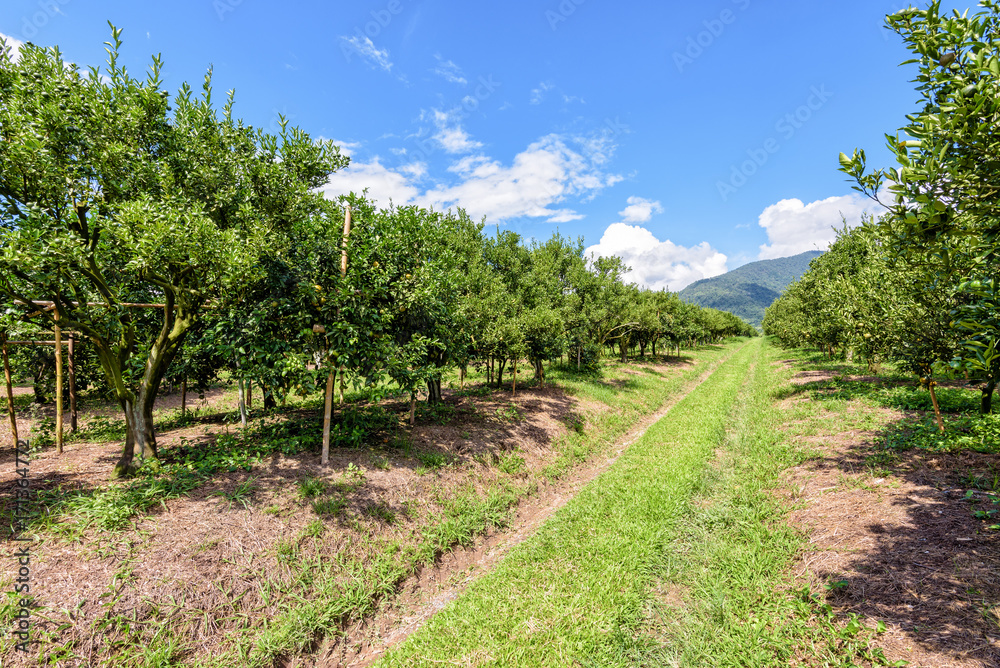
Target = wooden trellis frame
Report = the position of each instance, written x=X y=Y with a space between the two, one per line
x=58 y=343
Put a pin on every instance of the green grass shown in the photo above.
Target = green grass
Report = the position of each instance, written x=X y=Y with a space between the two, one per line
x=326 y=596
x=314 y=596
x=677 y=556
x=733 y=602
x=574 y=593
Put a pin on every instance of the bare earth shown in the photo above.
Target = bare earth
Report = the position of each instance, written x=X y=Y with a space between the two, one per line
x=198 y=561
x=904 y=539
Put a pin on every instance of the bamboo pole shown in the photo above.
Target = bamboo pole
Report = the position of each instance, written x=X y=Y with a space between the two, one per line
x=34 y=343
x=48 y=305
x=10 y=389
x=937 y=409
x=72 y=387
x=343 y=275
x=327 y=406
x=59 y=379
x=328 y=399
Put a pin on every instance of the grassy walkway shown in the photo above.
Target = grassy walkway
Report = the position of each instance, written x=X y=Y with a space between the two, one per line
x=577 y=592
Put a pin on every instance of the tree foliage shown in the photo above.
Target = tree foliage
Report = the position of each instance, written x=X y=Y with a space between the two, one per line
x=112 y=193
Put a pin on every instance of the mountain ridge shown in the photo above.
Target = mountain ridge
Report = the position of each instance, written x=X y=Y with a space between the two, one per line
x=749 y=289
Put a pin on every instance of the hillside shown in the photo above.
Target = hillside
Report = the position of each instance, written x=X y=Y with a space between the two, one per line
x=748 y=290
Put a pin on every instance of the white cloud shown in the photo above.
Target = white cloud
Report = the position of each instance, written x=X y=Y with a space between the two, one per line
x=383 y=183
x=451 y=135
x=640 y=210
x=658 y=264
x=536 y=182
x=793 y=227
x=544 y=174
x=14 y=45
x=451 y=72
x=367 y=50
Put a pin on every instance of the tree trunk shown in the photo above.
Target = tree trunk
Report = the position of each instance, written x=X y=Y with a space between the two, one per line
x=138 y=407
x=624 y=351
x=40 y=381
x=654 y=349
x=540 y=373
x=434 y=390
x=413 y=407
x=579 y=353
x=242 y=394
x=500 y=365
x=269 y=401
x=139 y=435
x=986 y=400
x=184 y=396
x=461 y=376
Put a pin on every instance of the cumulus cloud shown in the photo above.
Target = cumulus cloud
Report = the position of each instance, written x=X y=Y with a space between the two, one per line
x=383 y=183
x=449 y=71
x=640 y=210
x=658 y=264
x=364 y=47
x=534 y=185
x=794 y=227
x=544 y=174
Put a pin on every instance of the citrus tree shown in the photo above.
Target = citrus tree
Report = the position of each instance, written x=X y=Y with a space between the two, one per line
x=943 y=193
x=111 y=192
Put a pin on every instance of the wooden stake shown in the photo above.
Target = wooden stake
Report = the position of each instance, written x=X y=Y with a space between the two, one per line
x=937 y=410
x=343 y=245
x=327 y=407
x=59 y=380
x=72 y=387
x=328 y=401
x=184 y=395
x=10 y=389
x=513 y=391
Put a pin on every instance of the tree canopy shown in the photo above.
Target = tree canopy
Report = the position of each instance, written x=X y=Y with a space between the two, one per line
x=113 y=193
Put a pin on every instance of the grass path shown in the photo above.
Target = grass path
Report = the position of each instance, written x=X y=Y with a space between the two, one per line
x=576 y=593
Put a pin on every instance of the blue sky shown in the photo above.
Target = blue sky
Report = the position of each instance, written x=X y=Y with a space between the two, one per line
x=688 y=138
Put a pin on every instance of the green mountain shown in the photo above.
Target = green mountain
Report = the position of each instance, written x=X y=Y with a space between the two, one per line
x=748 y=290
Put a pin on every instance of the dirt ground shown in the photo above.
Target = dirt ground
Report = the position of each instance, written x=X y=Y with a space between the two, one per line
x=197 y=561
x=899 y=542
x=433 y=588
